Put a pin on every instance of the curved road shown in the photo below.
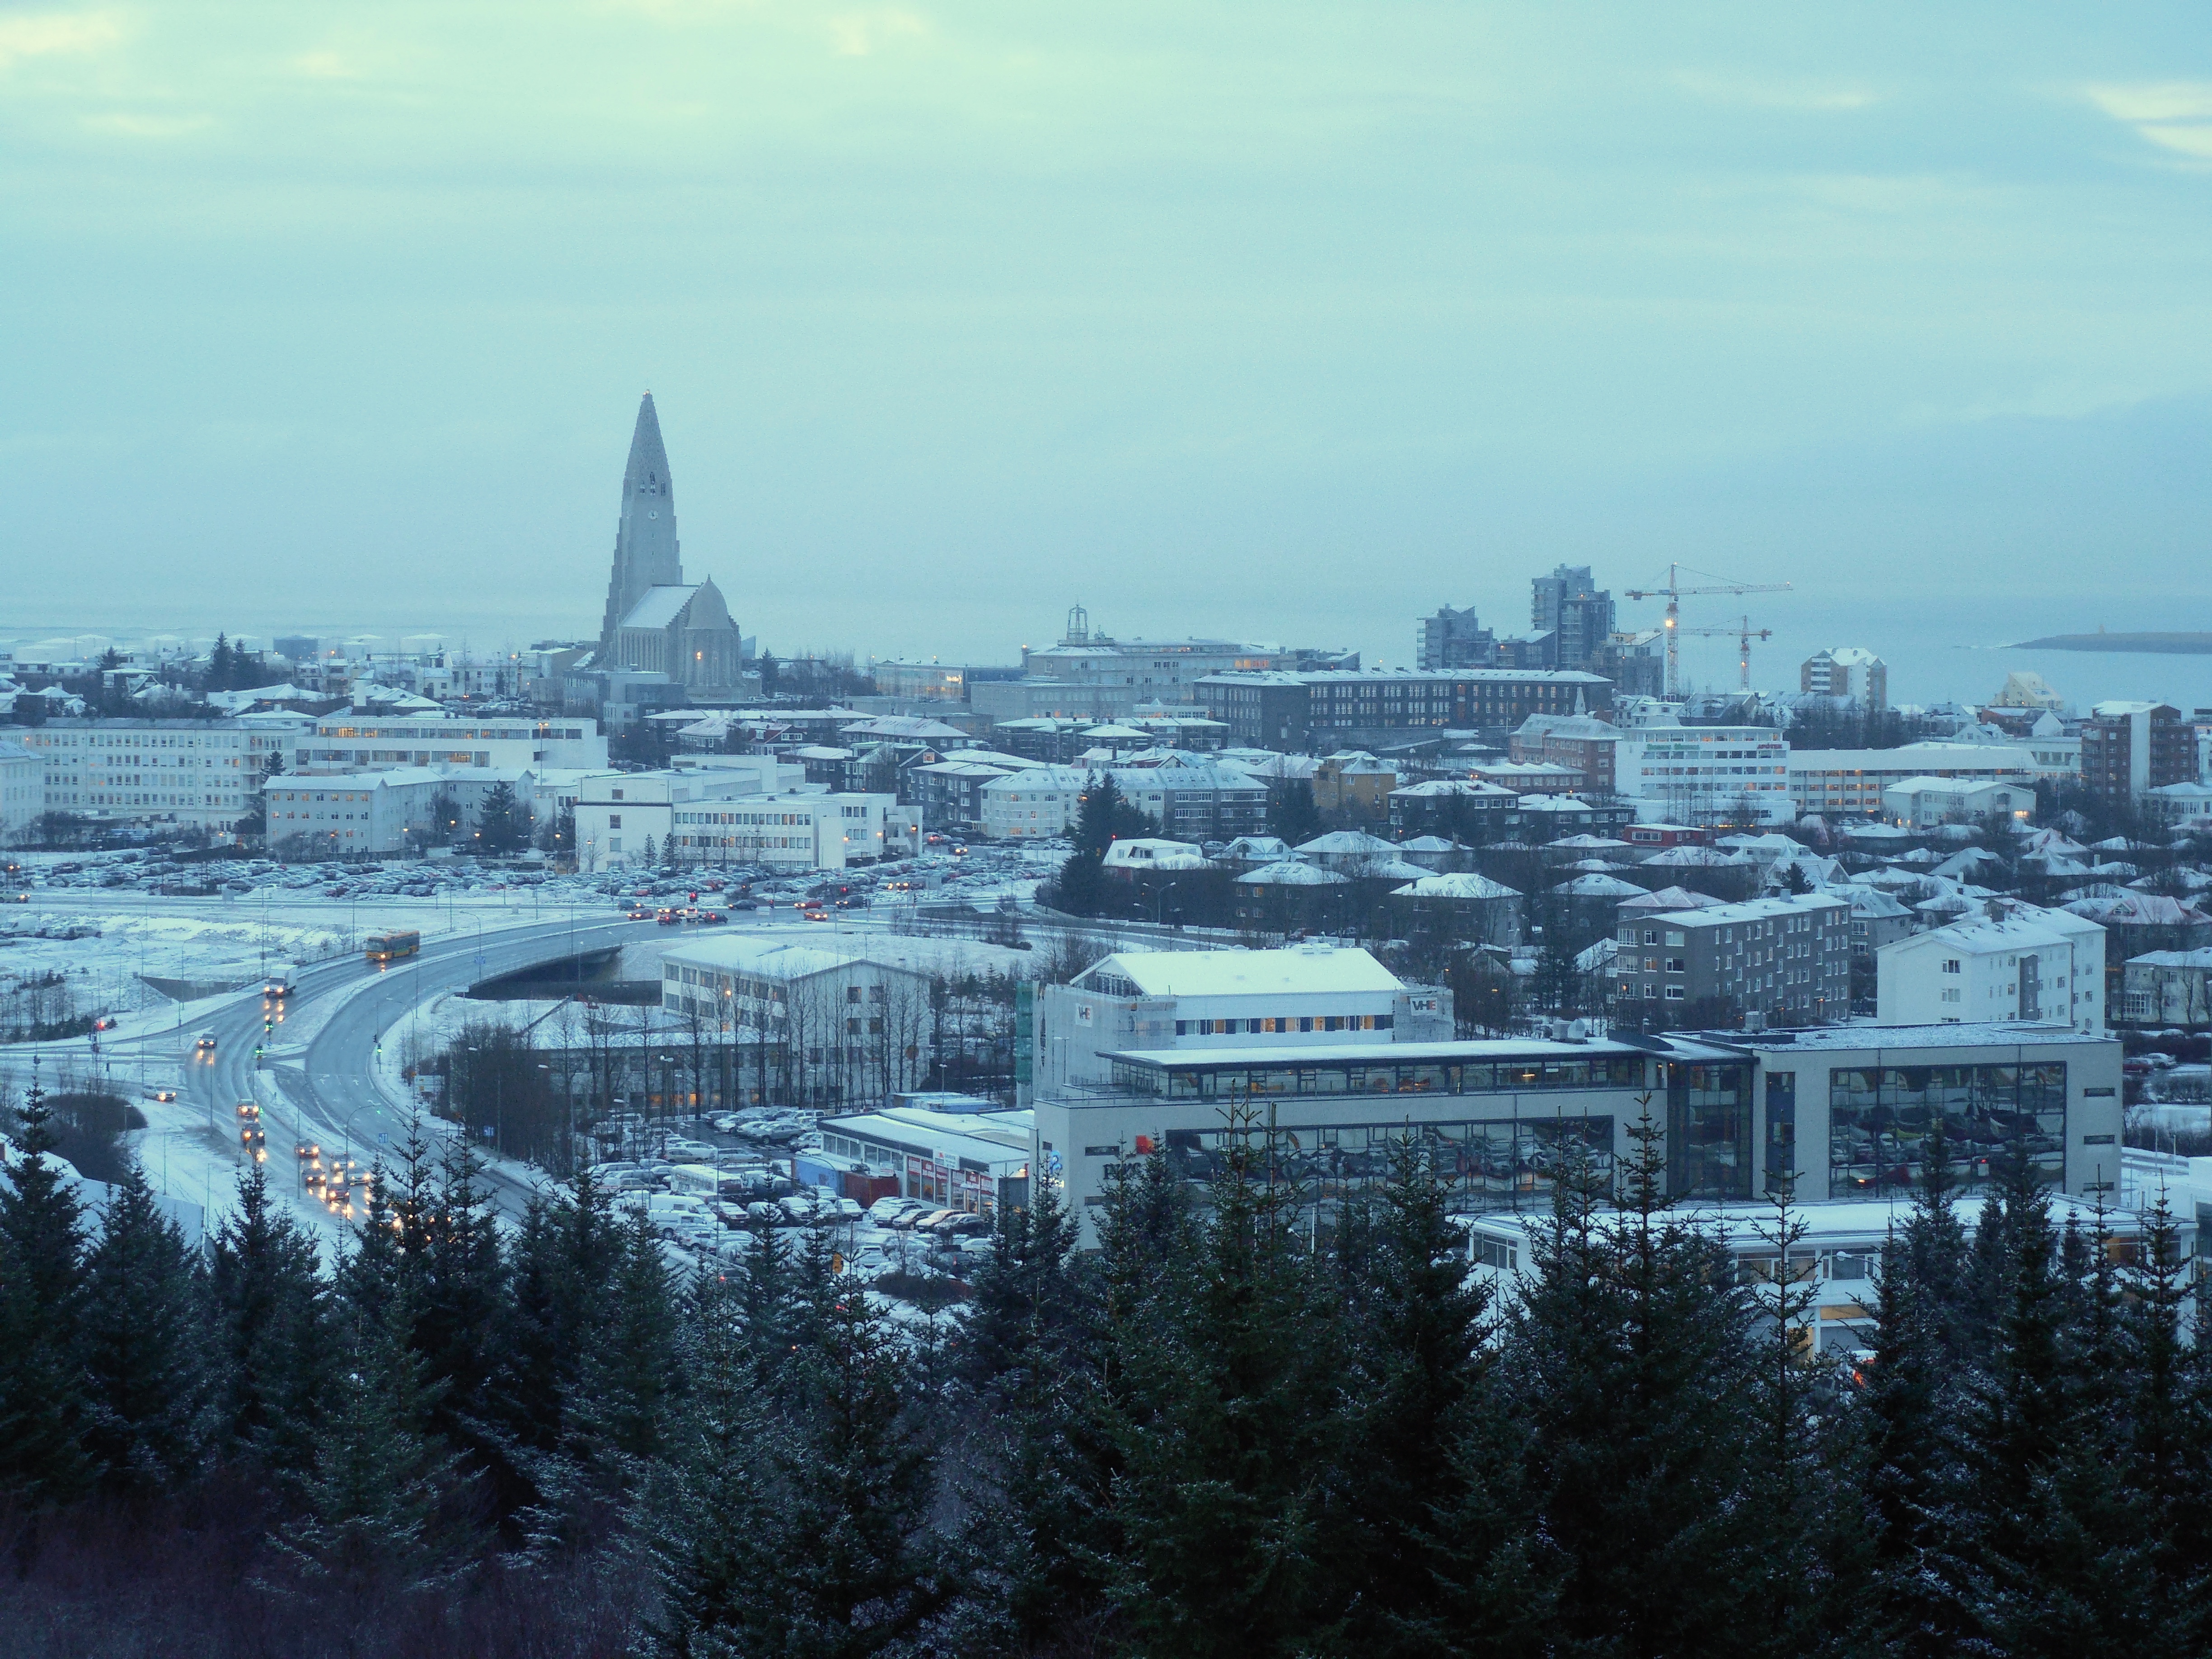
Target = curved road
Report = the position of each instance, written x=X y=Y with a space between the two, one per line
x=331 y=1084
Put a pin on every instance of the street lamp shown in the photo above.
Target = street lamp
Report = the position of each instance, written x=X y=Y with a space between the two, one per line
x=1159 y=904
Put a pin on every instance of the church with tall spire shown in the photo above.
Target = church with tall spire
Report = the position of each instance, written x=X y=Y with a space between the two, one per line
x=655 y=620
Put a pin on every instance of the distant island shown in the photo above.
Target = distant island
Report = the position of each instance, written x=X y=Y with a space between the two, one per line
x=2183 y=644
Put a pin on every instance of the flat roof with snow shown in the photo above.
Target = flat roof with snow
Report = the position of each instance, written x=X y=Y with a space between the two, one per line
x=1244 y=973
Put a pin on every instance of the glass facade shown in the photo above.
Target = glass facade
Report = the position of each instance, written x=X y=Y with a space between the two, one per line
x=1878 y=1118
x=1709 y=1130
x=1491 y=1165
x=1320 y=1075
x=1781 y=1130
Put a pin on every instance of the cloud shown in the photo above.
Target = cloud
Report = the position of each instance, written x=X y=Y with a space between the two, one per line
x=324 y=66
x=2175 y=115
x=1774 y=94
x=856 y=34
x=131 y=125
x=39 y=35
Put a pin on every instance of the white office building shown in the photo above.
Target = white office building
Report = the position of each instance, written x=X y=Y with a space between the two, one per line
x=1847 y=782
x=355 y=740
x=197 y=773
x=722 y=815
x=22 y=788
x=800 y=1022
x=353 y=814
x=2025 y=963
x=1701 y=774
x=1923 y=803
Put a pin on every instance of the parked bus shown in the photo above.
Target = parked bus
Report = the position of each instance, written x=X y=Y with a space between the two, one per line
x=390 y=947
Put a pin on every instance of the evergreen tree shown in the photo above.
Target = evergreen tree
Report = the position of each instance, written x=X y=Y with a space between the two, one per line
x=1629 y=1365
x=271 y=1311
x=621 y=1402
x=561 y=1277
x=803 y=1530
x=1924 y=1347
x=711 y=1533
x=2168 y=1410
x=221 y=672
x=1104 y=817
x=376 y=1477
x=458 y=1303
x=1292 y=818
x=45 y=1402
x=1028 y=1361
x=502 y=826
x=768 y=1290
x=148 y=1345
x=1810 y=1561
x=1417 y=1396
x=1222 y=1387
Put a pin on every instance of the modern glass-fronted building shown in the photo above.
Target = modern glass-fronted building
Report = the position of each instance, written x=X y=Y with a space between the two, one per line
x=1841 y=1112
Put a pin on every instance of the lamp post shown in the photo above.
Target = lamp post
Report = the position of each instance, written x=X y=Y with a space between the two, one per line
x=1159 y=903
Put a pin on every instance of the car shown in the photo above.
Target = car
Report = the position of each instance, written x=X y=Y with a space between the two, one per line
x=711 y=917
x=689 y=1151
x=884 y=1210
x=165 y=1095
x=206 y=1043
x=638 y=913
x=815 y=914
x=668 y=917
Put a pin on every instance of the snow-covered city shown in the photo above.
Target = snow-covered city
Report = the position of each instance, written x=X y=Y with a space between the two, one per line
x=1410 y=856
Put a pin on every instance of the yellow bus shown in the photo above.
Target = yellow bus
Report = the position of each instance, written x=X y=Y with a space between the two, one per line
x=390 y=947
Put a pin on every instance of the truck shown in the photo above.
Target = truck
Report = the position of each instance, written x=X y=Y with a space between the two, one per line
x=276 y=983
x=695 y=1180
x=391 y=947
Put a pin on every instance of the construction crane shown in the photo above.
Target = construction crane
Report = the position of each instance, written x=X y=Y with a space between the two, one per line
x=1744 y=634
x=1673 y=592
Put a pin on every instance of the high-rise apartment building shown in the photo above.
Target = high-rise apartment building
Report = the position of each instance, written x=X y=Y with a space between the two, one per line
x=2129 y=748
x=1846 y=670
x=1453 y=639
x=1570 y=604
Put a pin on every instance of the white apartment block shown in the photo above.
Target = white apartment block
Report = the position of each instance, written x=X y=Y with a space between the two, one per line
x=713 y=815
x=2030 y=963
x=1850 y=781
x=351 y=814
x=202 y=774
x=811 y=1026
x=1925 y=803
x=1702 y=775
x=22 y=788
x=354 y=741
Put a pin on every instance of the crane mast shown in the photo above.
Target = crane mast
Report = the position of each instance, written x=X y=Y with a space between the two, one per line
x=1674 y=592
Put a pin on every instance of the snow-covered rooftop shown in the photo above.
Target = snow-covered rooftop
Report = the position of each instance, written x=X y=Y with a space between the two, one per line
x=1300 y=969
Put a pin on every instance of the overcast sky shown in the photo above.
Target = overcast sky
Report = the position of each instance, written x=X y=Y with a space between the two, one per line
x=1290 y=322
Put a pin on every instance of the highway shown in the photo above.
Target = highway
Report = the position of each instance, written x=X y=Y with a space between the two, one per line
x=329 y=1080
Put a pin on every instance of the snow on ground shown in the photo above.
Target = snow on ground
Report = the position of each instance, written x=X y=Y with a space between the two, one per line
x=187 y=1155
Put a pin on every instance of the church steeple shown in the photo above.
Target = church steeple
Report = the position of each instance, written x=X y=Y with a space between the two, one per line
x=647 y=554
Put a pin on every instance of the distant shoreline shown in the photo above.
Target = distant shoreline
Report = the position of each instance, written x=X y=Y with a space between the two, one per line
x=2188 y=644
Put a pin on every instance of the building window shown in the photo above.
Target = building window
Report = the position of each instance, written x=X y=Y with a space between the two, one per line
x=1880 y=1120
